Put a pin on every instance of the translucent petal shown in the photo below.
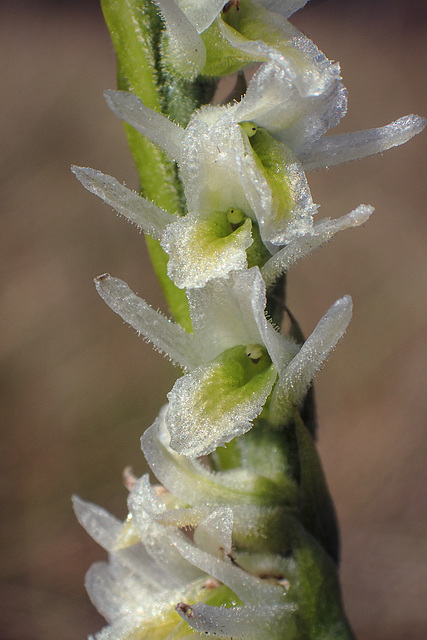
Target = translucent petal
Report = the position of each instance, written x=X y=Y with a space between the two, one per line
x=116 y=594
x=269 y=36
x=213 y=534
x=157 y=540
x=202 y=13
x=333 y=150
x=184 y=47
x=273 y=101
x=230 y=312
x=221 y=168
x=100 y=525
x=140 y=211
x=167 y=336
x=194 y=483
x=227 y=312
x=212 y=141
x=285 y=7
x=245 y=623
x=203 y=247
x=216 y=402
x=250 y=589
x=212 y=529
x=302 y=246
x=148 y=122
x=282 y=202
x=298 y=375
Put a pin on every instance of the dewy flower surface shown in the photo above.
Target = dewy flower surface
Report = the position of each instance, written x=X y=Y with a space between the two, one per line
x=234 y=356
x=153 y=566
x=200 y=38
x=242 y=543
x=261 y=175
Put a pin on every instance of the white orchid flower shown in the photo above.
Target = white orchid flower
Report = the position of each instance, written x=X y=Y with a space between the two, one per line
x=227 y=163
x=257 y=499
x=219 y=37
x=134 y=592
x=234 y=358
x=203 y=247
x=141 y=590
x=240 y=200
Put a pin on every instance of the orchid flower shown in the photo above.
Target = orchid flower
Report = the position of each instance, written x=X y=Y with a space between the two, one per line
x=153 y=568
x=252 y=197
x=234 y=357
x=218 y=38
x=229 y=163
x=251 y=493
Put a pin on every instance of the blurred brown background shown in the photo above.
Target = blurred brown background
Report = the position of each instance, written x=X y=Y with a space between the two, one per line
x=78 y=387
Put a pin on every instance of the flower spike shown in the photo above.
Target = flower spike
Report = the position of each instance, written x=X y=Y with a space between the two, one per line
x=240 y=539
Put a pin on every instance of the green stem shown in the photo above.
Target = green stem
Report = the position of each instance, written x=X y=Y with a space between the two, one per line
x=135 y=31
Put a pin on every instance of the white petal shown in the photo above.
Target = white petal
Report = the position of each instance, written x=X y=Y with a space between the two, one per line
x=302 y=247
x=100 y=525
x=333 y=150
x=284 y=7
x=272 y=101
x=158 y=128
x=281 y=43
x=222 y=312
x=140 y=211
x=125 y=602
x=185 y=48
x=207 y=168
x=197 y=255
x=167 y=336
x=219 y=169
x=230 y=312
x=124 y=629
x=279 y=222
x=213 y=534
x=243 y=623
x=157 y=539
x=206 y=410
x=202 y=13
x=248 y=588
x=280 y=348
x=295 y=379
x=114 y=598
x=190 y=480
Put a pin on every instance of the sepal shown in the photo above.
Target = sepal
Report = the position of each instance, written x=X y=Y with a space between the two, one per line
x=296 y=378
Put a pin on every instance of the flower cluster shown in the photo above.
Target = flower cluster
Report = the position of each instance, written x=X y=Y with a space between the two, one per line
x=212 y=535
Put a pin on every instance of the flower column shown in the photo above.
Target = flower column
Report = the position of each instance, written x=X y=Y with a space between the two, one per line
x=243 y=544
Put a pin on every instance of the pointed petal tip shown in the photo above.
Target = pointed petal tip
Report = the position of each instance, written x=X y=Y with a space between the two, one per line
x=417 y=123
x=76 y=501
x=114 y=97
x=362 y=213
x=343 y=307
x=86 y=176
x=101 y=278
x=123 y=104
